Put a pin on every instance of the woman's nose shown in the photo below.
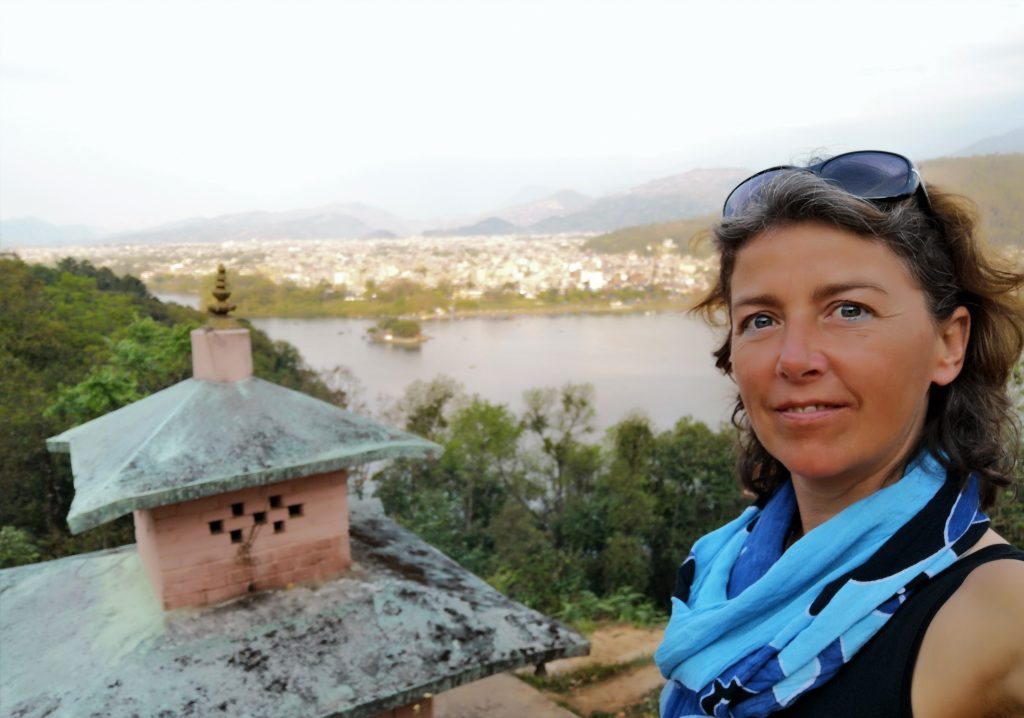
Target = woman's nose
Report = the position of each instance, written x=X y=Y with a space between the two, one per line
x=800 y=355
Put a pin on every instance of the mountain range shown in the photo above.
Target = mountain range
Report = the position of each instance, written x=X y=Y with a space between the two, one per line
x=683 y=195
x=674 y=197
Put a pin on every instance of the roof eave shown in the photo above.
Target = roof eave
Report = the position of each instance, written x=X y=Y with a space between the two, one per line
x=80 y=520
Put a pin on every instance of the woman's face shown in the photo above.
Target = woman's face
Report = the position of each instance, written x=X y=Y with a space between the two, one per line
x=833 y=350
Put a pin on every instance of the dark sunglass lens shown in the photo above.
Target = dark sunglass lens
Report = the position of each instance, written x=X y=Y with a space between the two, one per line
x=746 y=191
x=871 y=175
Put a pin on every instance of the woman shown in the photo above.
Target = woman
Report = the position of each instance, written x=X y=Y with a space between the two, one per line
x=871 y=341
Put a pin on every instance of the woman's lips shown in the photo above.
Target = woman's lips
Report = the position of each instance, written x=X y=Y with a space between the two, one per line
x=809 y=412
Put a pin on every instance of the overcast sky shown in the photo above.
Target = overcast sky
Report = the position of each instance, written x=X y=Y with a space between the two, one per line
x=121 y=114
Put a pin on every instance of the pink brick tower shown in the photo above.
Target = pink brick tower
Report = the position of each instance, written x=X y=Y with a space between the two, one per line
x=211 y=549
x=236 y=484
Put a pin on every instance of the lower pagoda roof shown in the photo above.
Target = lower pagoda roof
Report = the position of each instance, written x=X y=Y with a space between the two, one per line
x=200 y=438
x=85 y=636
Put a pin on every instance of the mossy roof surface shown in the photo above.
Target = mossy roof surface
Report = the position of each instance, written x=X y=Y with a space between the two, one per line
x=84 y=636
x=199 y=438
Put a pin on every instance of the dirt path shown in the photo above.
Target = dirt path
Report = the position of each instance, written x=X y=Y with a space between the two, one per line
x=613 y=644
x=616 y=693
x=500 y=696
x=505 y=696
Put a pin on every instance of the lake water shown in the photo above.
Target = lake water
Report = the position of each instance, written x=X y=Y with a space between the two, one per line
x=659 y=364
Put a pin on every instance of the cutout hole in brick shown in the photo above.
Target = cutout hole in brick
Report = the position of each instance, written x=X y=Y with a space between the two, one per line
x=295 y=510
x=260 y=517
x=236 y=536
x=275 y=502
x=279 y=527
x=238 y=509
x=216 y=527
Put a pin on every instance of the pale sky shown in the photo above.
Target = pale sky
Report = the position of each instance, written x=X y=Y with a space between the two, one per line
x=127 y=113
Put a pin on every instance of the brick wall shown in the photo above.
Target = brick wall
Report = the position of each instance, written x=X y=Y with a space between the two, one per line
x=209 y=550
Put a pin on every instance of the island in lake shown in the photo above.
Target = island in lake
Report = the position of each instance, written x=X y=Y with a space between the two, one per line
x=403 y=332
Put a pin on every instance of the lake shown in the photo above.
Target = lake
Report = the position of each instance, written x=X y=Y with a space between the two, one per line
x=659 y=364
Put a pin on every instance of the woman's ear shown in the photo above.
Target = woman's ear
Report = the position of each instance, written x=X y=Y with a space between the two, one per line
x=951 y=346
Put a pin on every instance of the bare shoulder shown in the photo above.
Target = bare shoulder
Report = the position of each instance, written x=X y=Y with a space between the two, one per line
x=971 y=662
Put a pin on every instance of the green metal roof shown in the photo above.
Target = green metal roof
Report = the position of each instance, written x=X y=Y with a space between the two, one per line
x=199 y=438
x=84 y=636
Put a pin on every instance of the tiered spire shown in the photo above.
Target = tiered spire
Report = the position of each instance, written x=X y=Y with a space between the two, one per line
x=220 y=310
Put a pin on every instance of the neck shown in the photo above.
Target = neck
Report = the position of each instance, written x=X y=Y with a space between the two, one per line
x=818 y=501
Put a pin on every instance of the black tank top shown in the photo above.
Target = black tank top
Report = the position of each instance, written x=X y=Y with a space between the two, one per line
x=876 y=682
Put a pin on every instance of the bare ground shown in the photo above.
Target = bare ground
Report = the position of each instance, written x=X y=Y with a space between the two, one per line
x=613 y=644
x=504 y=696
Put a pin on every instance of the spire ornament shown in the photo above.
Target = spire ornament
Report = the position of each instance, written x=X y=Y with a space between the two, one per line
x=220 y=310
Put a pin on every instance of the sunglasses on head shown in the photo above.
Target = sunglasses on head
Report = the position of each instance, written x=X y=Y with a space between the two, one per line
x=872 y=175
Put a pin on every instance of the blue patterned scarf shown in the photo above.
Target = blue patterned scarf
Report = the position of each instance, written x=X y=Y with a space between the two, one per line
x=754 y=627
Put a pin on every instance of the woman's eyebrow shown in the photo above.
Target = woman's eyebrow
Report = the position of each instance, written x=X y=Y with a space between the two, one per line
x=830 y=290
x=759 y=300
x=820 y=293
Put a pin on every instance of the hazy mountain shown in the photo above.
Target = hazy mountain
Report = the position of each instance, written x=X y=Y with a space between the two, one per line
x=379 y=234
x=529 y=193
x=674 y=197
x=380 y=219
x=557 y=204
x=679 y=196
x=336 y=221
x=492 y=226
x=29 y=231
x=1010 y=142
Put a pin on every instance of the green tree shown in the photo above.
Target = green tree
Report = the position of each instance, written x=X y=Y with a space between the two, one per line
x=1008 y=513
x=631 y=504
x=480 y=461
x=528 y=566
x=694 y=484
x=144 y=357
x=468 y=485
x=557 y=419
x=625 y=564
x=425 y=407
x=16 y=547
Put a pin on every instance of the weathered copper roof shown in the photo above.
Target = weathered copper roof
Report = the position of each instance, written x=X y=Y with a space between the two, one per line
x=199 y=438
x=85 y=636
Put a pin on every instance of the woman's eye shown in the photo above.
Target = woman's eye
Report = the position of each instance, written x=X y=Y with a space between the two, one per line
x=757 y=321
x=852 y=312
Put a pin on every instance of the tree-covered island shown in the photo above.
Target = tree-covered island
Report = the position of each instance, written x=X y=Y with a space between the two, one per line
x=401 y=332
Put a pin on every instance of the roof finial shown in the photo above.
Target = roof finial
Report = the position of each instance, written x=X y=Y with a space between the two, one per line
x=221 y=309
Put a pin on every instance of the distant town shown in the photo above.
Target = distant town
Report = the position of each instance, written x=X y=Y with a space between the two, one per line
x=469 y=266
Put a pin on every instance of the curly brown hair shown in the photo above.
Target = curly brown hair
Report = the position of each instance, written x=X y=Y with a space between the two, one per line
x=971 y=425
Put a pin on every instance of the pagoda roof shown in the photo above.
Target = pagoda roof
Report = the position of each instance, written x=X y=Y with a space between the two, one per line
x=406 y=621
x=199 y=438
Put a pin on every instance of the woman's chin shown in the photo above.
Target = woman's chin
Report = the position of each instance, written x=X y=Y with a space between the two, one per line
x=822 y=470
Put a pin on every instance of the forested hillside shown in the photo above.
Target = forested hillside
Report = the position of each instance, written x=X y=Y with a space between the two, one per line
x=77 y=342
x=642 y=239
x=995 y=183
